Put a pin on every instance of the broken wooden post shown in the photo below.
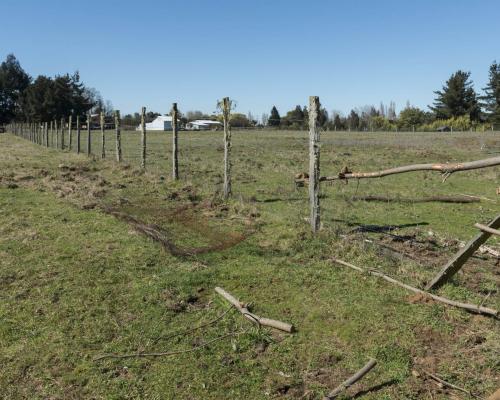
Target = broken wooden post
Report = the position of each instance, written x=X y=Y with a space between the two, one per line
x=70 y=133
x=143 y=137
x=175 y=151
x=78 y=134
x=103 y=138
x=454 y=265
x=226 y=110
x=62 y=133
x=118 y=136
x=89 y=139
x=314 y=169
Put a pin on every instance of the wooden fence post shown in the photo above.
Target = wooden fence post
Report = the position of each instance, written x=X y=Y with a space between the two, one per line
x=103 y=138
x=314 y=168
x=62 y=133
x=70 y=133
x=57 y=134
x=118 y=136
x=46 y=134
x=52 y=133
x=78 y=134
x=175 y=151
x=143 y=137
x=89 y=139
x=226 y=110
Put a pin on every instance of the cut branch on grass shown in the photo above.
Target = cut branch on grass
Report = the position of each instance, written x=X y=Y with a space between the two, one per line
x=352 y=380
x=469 y=307
x=441 y=199
x=242 y=308
x=487 y=229
x=446 y=169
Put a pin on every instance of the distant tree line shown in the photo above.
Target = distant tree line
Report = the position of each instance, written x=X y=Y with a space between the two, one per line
x=44 y=98
x=456 y=105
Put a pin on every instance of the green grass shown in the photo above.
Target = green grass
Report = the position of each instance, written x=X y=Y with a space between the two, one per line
x=77 y=282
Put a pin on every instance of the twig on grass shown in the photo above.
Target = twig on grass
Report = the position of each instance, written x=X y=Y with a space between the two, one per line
x=352 y=380
x=449 y=385
x=168 y=353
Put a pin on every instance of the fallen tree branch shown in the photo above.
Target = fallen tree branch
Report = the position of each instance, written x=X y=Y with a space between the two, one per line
x=450 y=385
x=242 y=308
x=485 y=228
x=352 y=380
x=446 y=169
x=442 y=199
x=466 y=306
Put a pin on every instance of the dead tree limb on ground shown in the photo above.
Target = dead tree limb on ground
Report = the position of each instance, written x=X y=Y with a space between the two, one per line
x=242 y=308
x=352 y=380
x=466 y=306
x=442 y=199
x=446 y=169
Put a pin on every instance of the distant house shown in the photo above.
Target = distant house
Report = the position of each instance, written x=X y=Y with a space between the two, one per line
x=203 y=125
x=160 y=123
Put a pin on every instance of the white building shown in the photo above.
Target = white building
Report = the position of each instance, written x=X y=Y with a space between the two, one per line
x=203 y=125
x=160 y=123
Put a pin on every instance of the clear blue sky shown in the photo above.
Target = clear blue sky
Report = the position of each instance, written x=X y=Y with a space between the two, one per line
x=261 y=53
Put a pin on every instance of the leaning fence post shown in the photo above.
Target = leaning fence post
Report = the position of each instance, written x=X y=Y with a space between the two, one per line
x=103 y=138
x=89 y=139
x=143 y=137
x=175 y=160
x=226 y=109
x=70 y=133
x=118 y=136
x=78 y=134
x=314 y=170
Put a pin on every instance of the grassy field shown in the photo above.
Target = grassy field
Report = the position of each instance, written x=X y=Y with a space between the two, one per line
x=76 y=282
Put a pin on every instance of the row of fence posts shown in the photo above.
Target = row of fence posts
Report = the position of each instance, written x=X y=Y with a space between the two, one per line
x=53 y=135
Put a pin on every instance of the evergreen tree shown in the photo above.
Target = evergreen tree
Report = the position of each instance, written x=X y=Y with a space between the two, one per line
x=337 y=123
x=353 y=120
x=457 y=98
x=274 y=118
x=491 y=98
x=13 y=83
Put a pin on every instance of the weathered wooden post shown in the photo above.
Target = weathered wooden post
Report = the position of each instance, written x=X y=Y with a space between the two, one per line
x=89 y=139
x=62 y=133
x=314 y=170
x=175 y=151
x=70 y=133
x=78 y=134
x=103 y=138
x=143 y=137
x=57 y=134
x=52 y=133
x=226 y=110
x=118 y=136
x=46 y=125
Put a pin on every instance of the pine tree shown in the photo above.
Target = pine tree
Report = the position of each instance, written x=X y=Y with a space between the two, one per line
x=13 y=83
x=491 y=99
x=274 y=119
x=457 y=98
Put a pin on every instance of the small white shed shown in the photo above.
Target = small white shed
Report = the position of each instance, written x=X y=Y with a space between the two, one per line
x=160 y=123
x=203 y=125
